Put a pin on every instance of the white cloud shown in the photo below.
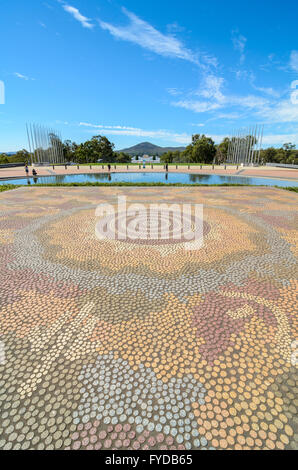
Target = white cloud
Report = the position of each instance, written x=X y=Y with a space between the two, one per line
x=229 y=116
x=85 y=22
x=284 y=111
x=174 y=91
x=23 y=77
x=209 y=60
x=175 y=28
x=268 y=91
x=196 y=106
x=214 y=98
x=181 y=138
x=243 y=74
x=211 y=88
x=249 y=101
x=251 y=78
x=142 y=33
x=280 y=139
x=294 y=61
x=210 y=91
x=239 y=43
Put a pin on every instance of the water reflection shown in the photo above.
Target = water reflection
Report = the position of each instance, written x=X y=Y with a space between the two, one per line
x=146 y=177
x=199 y=178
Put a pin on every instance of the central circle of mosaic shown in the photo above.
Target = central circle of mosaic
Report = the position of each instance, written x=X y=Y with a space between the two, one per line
x=153 y=229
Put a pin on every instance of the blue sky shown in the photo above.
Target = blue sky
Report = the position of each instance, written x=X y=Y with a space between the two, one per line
x=154 y=71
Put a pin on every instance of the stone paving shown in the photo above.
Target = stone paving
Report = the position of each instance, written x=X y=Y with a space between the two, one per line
x=104 y=345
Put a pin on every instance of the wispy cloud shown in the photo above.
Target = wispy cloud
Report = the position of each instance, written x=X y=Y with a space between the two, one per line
x=142 y=33
x=174 y=91
x=294 y=61
x=196 y=106
x=251 y=78
x=239 y=42
x=209 y=91
x=268 y=91
x=228 y=116
x=85 y=22
x=283 y=111
x=279 y=139
x=212 y=98
x=181 y=138
x=250 y=101
x=23 y=77
x=175 y=28
x=211 y=88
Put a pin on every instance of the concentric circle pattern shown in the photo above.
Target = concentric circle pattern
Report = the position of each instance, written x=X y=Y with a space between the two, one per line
x=152 y=228
x=143 y=344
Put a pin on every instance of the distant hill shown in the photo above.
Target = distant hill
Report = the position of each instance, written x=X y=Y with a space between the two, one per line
x=146 y=148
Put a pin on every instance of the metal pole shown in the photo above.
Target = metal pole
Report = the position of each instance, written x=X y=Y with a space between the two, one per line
x=238 y=148
x=234 y=147
x=261 y=141
x=33 y=145
x=251 y=146
x=29 y=142
x=246 y=145
x=39 y=144
x=36 y=144
x=53 y=145
x=256 y=143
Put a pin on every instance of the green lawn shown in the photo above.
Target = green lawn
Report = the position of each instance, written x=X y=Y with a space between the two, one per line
x=8 y=187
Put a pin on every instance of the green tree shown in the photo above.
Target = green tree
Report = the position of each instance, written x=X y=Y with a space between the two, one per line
x=98 y=148
x=167 y=157
x=288 y=148
x=69 y=149
x=220 y=157
x=123 y=157
x=3 y=158
x=269 y=155
x=222 y=150
x=203 y=149
x=22 y=156
x=290 y=153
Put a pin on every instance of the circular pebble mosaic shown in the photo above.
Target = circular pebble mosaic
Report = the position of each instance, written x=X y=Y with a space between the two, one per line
x=106 y=344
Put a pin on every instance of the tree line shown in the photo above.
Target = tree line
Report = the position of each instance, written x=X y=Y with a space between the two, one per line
x=201 y=150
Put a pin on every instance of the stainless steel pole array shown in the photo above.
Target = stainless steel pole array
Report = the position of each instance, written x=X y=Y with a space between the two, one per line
x=45 y=145
x=245 y=145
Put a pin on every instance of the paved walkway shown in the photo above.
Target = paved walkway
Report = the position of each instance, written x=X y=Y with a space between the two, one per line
x=126 y=345
x=263 y=172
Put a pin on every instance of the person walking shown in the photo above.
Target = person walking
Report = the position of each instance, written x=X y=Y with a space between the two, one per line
x=27 y=170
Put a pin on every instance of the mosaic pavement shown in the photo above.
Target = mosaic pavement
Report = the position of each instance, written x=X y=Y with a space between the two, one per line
x=109 y=346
